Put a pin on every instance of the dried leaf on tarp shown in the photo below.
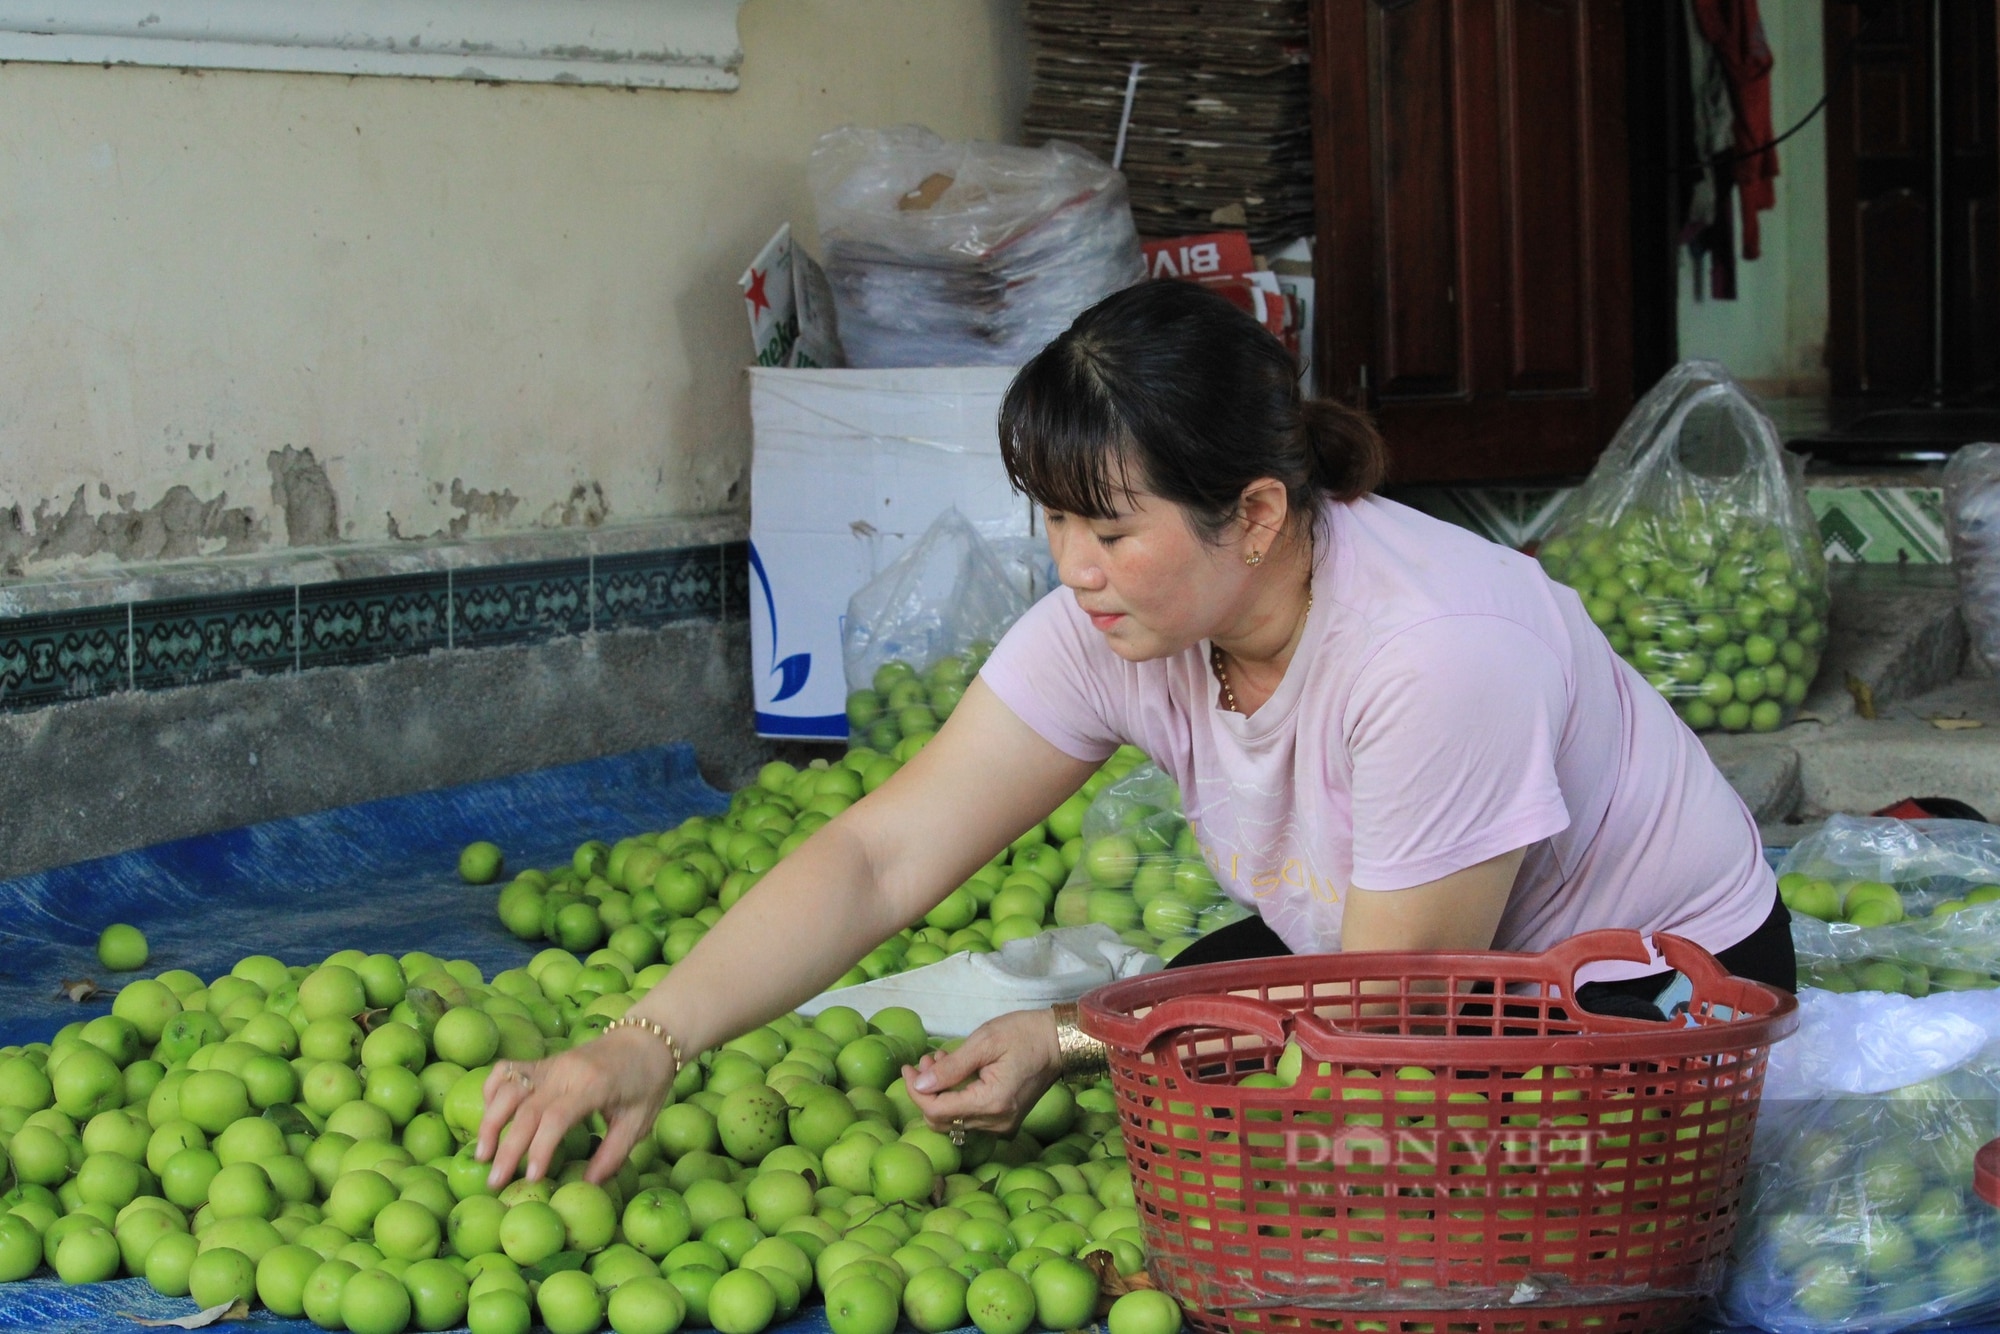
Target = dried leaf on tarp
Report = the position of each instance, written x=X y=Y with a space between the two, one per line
x=1864 y=696
x=237 y=1310
x=82 y=990
x=1111 y=1285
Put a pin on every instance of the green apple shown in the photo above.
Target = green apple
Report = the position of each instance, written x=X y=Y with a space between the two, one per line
x=212 y=1099
x=406 y=1230
x=169 y=1261
x=282 y=1276
x=1065 y=1293
x=87 y=1254
x=122 y=948
x=323 y=1292
x=499 y=1313
x=439 y=1294
x=740 y=1302
x=1145 y=1311
x=86 y=1082
x=531 y=1232
x=590 y=1218
x=571 y=1303
x=646 y=1305
x=148 y=1005
x=656 y=1221
x=934 y=1297
x=220 y=1277
x=752 y=1122
x=1000 y=1301
x=374 y=1301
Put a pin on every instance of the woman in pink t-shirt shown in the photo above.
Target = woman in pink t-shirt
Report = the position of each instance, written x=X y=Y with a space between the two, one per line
x=1388 y=734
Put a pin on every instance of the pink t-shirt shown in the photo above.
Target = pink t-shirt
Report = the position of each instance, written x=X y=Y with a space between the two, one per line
x=1447 y=703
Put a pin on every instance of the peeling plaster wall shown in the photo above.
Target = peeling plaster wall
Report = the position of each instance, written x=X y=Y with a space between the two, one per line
x=241 y=311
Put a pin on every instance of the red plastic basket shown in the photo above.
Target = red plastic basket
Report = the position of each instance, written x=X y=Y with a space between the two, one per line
x=1427 y=1174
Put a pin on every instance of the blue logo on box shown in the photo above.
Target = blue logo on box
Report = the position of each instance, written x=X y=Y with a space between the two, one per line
x=792 y=674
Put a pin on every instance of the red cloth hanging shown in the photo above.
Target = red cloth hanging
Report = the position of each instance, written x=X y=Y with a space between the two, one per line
x=1735 y=30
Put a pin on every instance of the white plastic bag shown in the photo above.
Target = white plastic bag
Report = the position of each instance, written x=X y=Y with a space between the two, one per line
x=1692 y=547
x=1972 y=521
x=943 y=596
x=965 y=254
x=1859 y=1215
x=1140 y=870
x=1934 y=920
x=960 y=993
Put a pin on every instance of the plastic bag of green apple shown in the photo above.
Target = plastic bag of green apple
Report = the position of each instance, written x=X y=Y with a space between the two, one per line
x=1911 y=906
x=1860 y=1213
x=916 y=633
x=1692 y=548
x=1140 y=871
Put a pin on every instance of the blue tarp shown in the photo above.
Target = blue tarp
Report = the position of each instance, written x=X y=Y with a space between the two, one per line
x=379 y=876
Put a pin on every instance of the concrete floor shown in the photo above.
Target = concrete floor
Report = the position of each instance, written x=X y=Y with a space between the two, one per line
x=1896 y=639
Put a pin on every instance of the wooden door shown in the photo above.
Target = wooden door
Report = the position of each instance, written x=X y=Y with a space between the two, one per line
x=1474 y=258
x=1880 y=335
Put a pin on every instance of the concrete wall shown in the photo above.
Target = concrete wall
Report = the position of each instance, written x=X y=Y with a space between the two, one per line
x=1775 y=331
x=242 y=311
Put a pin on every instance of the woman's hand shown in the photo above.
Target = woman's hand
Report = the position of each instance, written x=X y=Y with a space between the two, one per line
x=624 y=1074
x=1003 y=1068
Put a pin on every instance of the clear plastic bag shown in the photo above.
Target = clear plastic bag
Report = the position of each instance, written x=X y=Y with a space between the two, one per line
x=916 y=633
x=965 y=254
x=1910 y=906
x=1859 y=1214
x=1972 y=521
x=1693 y=549
x=1138 y=869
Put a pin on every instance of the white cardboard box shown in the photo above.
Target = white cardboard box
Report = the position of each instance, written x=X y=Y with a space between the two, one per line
x=848 y=467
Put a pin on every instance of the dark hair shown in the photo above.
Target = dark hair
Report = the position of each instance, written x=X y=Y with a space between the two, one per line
x=1170 y=388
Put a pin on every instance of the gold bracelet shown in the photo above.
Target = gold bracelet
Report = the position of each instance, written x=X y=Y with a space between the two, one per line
x=1084 y=1058
x=648 y=1026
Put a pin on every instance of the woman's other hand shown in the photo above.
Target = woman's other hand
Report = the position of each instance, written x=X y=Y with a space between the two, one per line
x=624 y=1074
x=992 y=1080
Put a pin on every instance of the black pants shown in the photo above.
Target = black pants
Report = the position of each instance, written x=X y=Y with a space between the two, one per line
x=1765 y=955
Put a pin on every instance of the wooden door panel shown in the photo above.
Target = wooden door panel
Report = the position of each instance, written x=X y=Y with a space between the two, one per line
x=1894 y=281
x=1546 y=158
x=1417 y=224
x=1473 y=260
x=1880 y=206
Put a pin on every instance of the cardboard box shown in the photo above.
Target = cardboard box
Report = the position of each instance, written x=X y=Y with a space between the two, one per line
x=848 y=467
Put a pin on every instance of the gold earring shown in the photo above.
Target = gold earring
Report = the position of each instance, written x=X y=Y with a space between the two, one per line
x=1254 y=558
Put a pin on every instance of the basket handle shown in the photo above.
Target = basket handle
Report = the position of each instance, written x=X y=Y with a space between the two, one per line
x=1702 y=969
x=1566 y=958
x=1244 y=1014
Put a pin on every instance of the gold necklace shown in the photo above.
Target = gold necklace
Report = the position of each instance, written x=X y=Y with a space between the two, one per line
x=1222 y=675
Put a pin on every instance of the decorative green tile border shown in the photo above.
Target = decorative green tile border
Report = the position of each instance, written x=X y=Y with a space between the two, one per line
x=1859 y=525
x=55 y=657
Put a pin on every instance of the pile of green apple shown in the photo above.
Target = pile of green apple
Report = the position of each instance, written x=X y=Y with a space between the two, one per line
x=1725 y=614
x=300 y=1137
x=903 y=703
x=1905 y=976
x=652 y=896
x=1138 y=868
x=1868 y=1218
x=1887 y=966
x=1870 y=902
